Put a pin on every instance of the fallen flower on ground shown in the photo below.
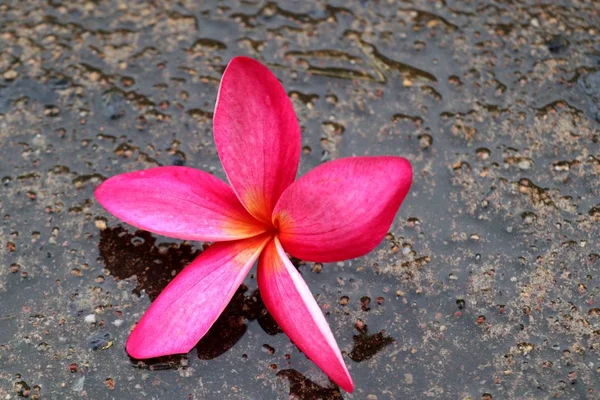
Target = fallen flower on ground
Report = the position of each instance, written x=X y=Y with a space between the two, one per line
x=338 y=211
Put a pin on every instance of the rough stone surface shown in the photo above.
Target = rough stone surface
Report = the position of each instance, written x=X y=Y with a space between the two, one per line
x=488 y=285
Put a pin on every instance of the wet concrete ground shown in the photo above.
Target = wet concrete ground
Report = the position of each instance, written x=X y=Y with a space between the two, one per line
x=488 y=285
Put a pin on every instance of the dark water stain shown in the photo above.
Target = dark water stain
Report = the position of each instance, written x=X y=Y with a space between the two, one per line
x=557 y=44
x=303 y=388
x=126 y=255
x=160 y=363
x=366 y=346
x=232 y=324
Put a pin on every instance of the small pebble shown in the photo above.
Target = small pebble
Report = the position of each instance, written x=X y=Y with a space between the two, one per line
x=524 y=164
x=10 y=75
x=100 y=341
x=78 y=384
x=90 y=318
x=100 y=224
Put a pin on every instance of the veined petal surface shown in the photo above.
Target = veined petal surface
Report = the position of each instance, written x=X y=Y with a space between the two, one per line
x=192 y=302
x=179 y=202
x=290 y=302
x=256 y=134
x=342 y=209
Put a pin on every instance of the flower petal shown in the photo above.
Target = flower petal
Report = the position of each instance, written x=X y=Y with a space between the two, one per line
x=256 y=134
x=192 y=302
x=342 y=209
x=179 y=202
x=288 y=299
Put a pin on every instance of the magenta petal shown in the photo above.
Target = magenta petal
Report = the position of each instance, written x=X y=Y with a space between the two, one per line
x=192 y=302
x=179 y=202
x=342 y=209
x=290 y=302
x=256 y=134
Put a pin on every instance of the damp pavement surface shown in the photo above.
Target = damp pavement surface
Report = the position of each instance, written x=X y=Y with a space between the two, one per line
x=488 y=284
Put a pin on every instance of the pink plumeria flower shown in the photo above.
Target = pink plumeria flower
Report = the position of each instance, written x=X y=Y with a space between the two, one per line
x=339 y=210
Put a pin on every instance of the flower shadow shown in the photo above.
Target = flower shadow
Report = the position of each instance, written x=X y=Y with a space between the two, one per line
x=154 y=266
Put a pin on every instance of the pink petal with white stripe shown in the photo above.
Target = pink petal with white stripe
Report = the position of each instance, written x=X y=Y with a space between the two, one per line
x=256 y=134
x=179 y=202
x=192 y=302
x=290 y=302
x=342 y=209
